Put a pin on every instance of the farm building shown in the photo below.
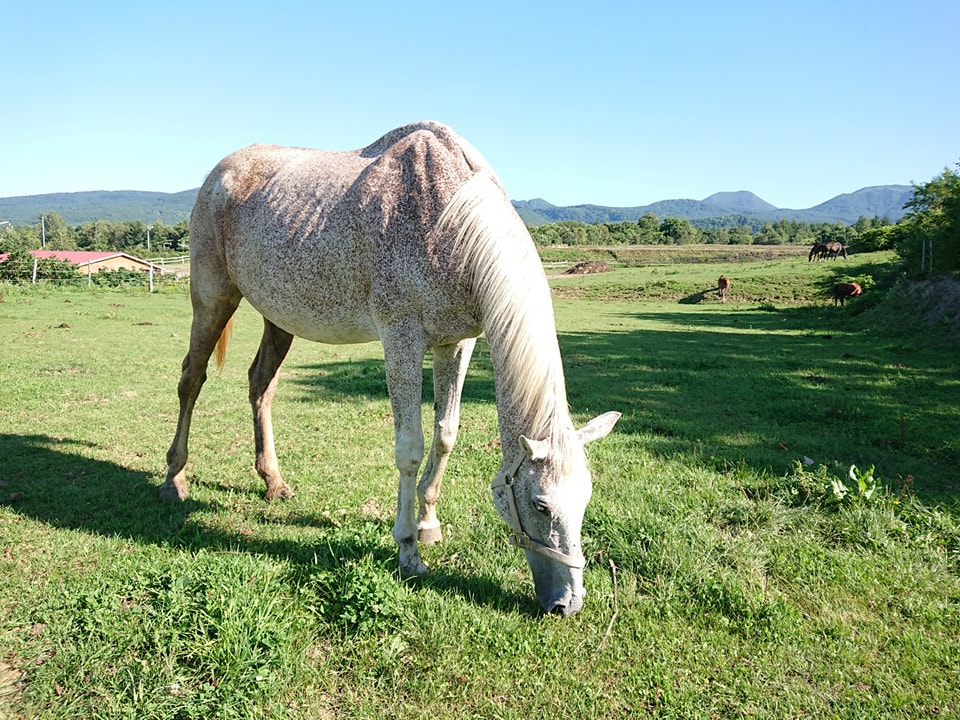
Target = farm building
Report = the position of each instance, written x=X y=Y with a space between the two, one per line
x=92 y=262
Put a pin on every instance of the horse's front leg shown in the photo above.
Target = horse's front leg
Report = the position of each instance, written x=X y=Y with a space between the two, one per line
x=264 y=372
x=450 y=364
x=403 y=350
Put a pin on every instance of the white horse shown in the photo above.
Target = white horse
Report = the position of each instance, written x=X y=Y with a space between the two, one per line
x=411 y=241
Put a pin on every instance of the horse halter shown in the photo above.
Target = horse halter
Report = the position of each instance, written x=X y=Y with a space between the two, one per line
x=519 y=538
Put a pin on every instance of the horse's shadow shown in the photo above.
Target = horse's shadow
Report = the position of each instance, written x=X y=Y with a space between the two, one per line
x=366 y=379
x=697 y=297
x=66 y=489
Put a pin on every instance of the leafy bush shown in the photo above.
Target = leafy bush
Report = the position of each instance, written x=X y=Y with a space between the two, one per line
x=928 y=238
x=867 y=487
x=20 y=264
x=821 y=487
x=357 y=595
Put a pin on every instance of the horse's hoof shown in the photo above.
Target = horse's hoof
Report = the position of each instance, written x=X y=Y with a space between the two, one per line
x=415 y=570
x=430 y=535
x=169 y=491
x=279 y=492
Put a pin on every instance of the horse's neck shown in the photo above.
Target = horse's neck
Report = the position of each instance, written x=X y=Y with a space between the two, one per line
x=530 y=391
x=510 y=290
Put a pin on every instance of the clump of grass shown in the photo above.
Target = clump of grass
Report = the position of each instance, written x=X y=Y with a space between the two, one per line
x=199 y=635
x=355 y=595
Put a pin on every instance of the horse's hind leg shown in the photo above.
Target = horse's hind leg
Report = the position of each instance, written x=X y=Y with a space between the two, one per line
x=264 y=372
x=209 y=321
x=449 y=371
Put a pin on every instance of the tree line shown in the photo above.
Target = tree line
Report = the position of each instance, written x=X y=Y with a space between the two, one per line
x=867 y=233
x=51 y=232
x=927 y=239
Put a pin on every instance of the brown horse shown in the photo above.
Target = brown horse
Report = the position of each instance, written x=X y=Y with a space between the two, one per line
x=723 y=285
x=411 y=241
x=841 y=291
x=818 y=250
x=833 y=249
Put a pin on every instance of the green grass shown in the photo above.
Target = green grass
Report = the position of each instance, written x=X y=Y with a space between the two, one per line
x=743 y=586
x=780 y=275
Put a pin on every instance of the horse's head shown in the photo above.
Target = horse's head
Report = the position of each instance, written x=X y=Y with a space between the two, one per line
x=542 y=493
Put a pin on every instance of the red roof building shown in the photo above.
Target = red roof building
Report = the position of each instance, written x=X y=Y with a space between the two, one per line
x=92 y=261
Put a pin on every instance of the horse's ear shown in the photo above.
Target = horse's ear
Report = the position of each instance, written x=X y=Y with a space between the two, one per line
x=535 y=449
x=597 y=428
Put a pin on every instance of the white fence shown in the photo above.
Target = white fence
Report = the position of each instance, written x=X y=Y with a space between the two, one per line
x=161 y=261
x=65 y=273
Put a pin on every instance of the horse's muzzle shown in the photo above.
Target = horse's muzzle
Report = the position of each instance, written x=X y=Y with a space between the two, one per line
x=559 y=588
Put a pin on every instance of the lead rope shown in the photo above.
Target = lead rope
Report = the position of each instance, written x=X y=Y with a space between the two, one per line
x=519 y=538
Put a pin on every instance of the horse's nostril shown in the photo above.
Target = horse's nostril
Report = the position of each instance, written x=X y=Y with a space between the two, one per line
x=558 y=610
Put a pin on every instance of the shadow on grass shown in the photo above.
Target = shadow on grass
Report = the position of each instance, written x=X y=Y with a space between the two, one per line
x=695 y=298
x=479 y=590
x=767 y=388
x=51 y=481
x=366 y=380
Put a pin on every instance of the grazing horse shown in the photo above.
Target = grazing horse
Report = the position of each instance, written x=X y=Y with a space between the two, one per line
x=411 y=241
x=833 y=249
x=723 y=285
x=818 y=250
x=841 y=291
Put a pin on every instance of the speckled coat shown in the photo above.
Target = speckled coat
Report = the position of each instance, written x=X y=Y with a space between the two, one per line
x=413 y=242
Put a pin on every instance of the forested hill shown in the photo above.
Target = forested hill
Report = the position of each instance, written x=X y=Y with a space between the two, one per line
x=745 y=207
x=879 y=201
x=83 y=207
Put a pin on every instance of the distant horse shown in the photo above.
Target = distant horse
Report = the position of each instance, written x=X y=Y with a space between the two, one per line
x=818 y=250
x=834 y=248
x=723 y=285
x=841 y=291
x=411 y=241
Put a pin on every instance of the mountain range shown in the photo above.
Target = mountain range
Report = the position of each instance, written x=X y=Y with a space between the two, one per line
x=743 y=207
x=878 y=201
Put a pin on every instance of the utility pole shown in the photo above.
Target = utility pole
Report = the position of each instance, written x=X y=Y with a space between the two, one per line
x=43 y=232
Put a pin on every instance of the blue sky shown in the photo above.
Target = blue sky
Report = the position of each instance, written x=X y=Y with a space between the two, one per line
x=613 y=103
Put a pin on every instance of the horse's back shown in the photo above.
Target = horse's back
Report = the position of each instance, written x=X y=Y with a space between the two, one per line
x=326 y=243
x=258 y=226
x=844 y=290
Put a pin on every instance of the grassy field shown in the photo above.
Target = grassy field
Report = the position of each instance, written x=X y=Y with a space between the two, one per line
x=744 y=559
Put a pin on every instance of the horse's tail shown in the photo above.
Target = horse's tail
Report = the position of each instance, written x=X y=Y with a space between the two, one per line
x=220 y=351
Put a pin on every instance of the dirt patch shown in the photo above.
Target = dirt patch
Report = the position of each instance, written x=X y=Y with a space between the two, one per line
x=935 y=302
x=589 y=268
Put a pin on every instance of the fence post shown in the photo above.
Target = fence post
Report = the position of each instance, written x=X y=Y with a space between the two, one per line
x=89 y=273
x=34 y=281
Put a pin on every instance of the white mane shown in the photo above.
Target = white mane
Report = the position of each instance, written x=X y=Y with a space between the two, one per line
x=513 y=298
